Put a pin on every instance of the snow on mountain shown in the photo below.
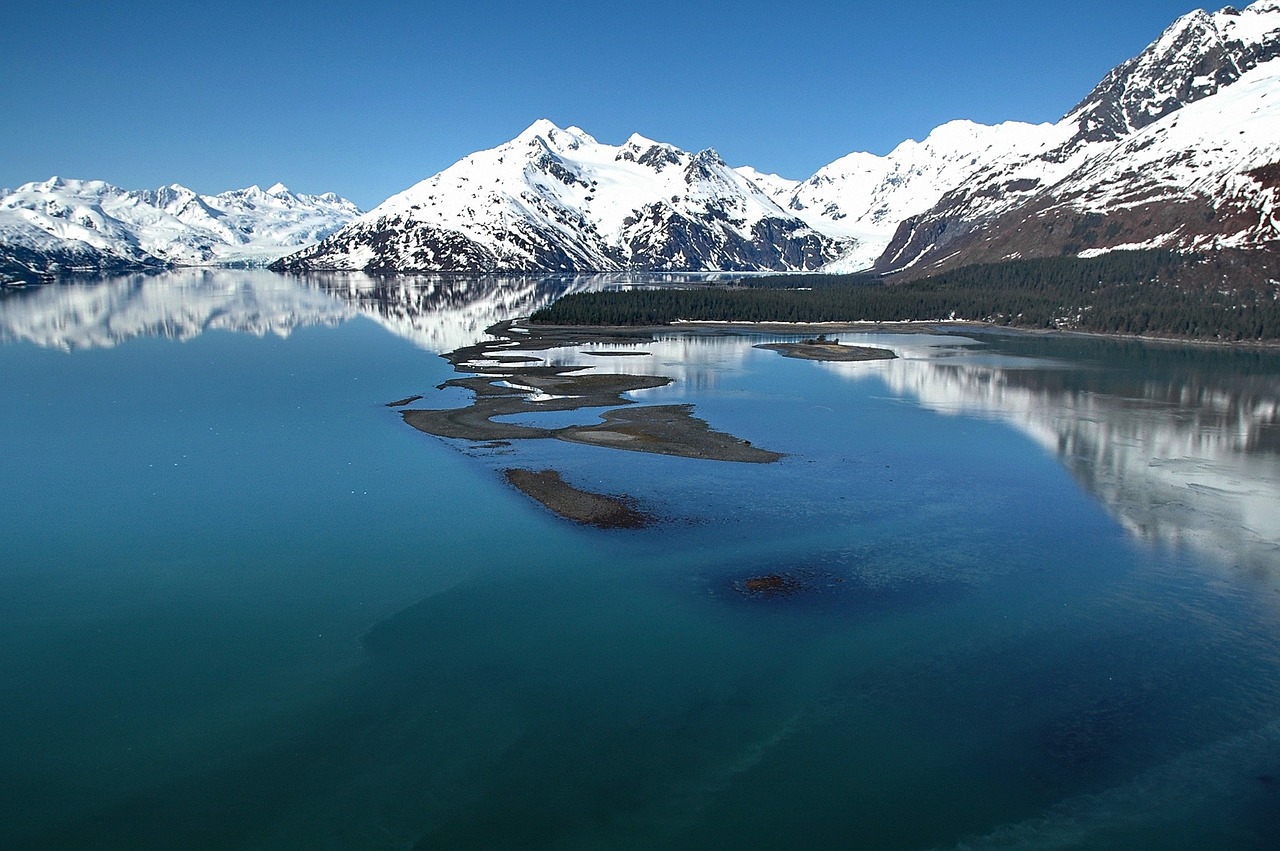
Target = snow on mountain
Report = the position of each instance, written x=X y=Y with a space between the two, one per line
x=860 y=198
x=89 y=224
x=1199 y=54
x=775 y=186
x=1174 y=148
x=555 y=199
x=1215 y=161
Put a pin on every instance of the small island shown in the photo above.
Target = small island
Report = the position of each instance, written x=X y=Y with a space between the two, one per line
x=823 y=348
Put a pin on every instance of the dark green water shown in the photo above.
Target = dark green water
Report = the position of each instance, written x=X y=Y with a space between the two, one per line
x=243 y=606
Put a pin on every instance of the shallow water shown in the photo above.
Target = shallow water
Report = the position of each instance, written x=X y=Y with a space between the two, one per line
x=1036 y=588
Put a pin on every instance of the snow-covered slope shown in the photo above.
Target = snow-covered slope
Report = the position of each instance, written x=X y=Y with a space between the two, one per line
x=1175 y=148
x=777 y=187
x=555 y=199
x=89 y=224
x=860 y=198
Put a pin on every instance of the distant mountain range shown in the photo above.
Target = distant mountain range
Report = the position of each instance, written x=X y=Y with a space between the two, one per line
x=87 y=225
x=1176 y=148
x=555 y=199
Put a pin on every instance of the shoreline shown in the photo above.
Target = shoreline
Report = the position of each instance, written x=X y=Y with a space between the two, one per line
x=904 y=326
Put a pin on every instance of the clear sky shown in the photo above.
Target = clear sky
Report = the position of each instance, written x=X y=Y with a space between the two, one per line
x=367 y=98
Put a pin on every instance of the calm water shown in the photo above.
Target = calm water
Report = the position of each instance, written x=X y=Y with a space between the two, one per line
x=243 y=606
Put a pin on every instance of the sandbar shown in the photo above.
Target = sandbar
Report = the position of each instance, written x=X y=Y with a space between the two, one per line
x=501 y=387
x=666 y=430
x=592 y=509
x=828 y=350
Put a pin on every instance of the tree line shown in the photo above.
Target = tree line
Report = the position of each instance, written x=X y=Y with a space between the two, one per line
x=1128 y=292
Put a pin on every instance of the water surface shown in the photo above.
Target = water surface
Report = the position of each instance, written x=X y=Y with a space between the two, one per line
x=243 y=606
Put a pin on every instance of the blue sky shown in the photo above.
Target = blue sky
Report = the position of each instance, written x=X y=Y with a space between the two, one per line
x=366 y=99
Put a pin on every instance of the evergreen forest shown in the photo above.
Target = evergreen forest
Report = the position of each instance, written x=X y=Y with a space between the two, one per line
x=1224 y=296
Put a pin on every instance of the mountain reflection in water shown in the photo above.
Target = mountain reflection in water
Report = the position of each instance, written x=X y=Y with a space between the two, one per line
x=436 y=312
x=1180 y=443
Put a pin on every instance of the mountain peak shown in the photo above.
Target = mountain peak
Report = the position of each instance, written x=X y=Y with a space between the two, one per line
x=542 y=127
x=545 y=133
x=279 y=189
x=1195 y=57
x=635 y=140
x=557 y=200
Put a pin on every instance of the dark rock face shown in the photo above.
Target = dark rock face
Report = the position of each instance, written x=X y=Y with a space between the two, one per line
x=659 y=157
x=1049 y=227
x=658 y=239
x=398 y=246
x=663 y=240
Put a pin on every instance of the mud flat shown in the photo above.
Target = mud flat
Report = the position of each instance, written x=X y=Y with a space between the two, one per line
x=505 y=382
x=666 y=430
x=828 y=350
x=592 y=509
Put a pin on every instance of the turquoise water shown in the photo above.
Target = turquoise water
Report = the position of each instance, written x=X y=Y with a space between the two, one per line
x=243 y=606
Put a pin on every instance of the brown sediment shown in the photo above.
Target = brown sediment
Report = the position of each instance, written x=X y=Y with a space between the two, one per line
x=580 y=506
x=472 y=423
x=400 y=403
x=603 y=354
x=503 y=389
x=828 y=350
x=771 y=585
x=666 y=430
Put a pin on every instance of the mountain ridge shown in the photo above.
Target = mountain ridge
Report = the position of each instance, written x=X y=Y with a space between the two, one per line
x=1064 y=198
x=1174 y=148
x=63 y=224
x=555 y=199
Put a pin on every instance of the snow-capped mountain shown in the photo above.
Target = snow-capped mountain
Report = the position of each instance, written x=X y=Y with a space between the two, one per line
x=860 y=198
x=1174 y=148
x=88 y=224
x=777 y=187
x=1131 y=165
x=555 y=199
x=1178 y=147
